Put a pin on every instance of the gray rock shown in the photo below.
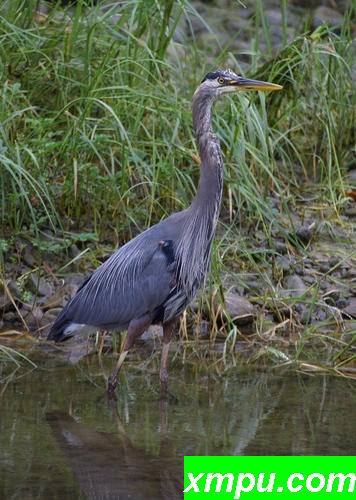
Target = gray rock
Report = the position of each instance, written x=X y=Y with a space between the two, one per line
x=280 y=246
x=14 y=290
x=294 y=286
x=254 y=286
x=29 y=256
x=304 y=234
x=61 y=297
x=283 y=263
x=34 y=317
x=10 y=317
x=350 y=309
x=5 y=302
x=351 y=175
x=74 y=251
x=302 y=312
x=239 y=309
x=351 y=273
x=202 y=330
x=152 y=332
x=39 y=286
x=324 y=14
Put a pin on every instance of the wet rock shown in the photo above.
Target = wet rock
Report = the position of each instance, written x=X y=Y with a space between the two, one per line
x=34 y=317
x=48 y=319
x=350 y=210
x=331 y=297
x=294 y=286
x=10 y=317
x=283 y=263
x=274 y=17
x=74 y=251
x=39 y=286
x=319 y=315
x=5 y=302
x=308 y=263
x=29 y=256
x=14 y=290
x=254 y=286
x=350 y=309
x=152 y=332
x=309 y=279
x=351 y=273
x=351 y=175
x=304 y=234
x=341 y=303
x=302 y=312
x=239 y=309
x=202 y=330
x=299 y=270
x=26 y=307
x=61 y=297
x=324 y=267
x=280 y=246
x=333 y=261
x=323 y=14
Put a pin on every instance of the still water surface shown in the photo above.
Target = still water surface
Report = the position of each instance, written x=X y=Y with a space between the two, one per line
x=60 y=438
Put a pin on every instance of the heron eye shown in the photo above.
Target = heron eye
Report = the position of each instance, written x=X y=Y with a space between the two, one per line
x=221 y=80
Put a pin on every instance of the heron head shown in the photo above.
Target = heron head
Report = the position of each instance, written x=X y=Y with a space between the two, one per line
x=226 y=81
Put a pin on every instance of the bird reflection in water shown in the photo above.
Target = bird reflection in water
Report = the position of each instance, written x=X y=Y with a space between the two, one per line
x=112 y=467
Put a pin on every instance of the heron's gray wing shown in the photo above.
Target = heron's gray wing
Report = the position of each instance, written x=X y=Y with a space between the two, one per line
x=133 y=281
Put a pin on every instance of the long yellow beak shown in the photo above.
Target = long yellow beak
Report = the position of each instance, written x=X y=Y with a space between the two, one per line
x=247 y=84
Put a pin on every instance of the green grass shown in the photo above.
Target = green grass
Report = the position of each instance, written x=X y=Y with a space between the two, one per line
x=96 y=135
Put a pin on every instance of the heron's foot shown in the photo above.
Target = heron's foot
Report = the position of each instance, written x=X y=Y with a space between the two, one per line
x=111 y=384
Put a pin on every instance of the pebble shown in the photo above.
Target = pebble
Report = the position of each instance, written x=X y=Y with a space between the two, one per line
x=5 y=302
x=30 y=257
x=34 y=317
x=294 y=286
x=39 y=286
x=351 y=175
x=333 y=261
x=351 y=273
x=202 y=330
x=61 y=296
x=309 y=279
x=239 y=308
x=280 y=246
x=304 y=234
x=14 y=290
x=350 y=308
x=332 y=296
x=283 y=263
x=323 y=14
x=256 y=287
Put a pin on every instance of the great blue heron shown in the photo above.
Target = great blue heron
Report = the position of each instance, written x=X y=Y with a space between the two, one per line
x=153 y=277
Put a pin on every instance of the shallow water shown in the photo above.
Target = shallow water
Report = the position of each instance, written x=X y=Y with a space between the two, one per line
x=60 y=438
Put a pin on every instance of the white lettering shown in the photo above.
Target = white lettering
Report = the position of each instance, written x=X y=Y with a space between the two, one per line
x=219 y=479
x=269 y=487
x=341 y=478
x=290 y=482
x=240 y=487
x=193 y=482
x=310 y=479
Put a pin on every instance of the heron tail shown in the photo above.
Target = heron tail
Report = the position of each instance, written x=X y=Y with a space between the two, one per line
x=59 y=331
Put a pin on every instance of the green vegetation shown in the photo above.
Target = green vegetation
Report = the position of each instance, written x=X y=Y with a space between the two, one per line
x=96 y=144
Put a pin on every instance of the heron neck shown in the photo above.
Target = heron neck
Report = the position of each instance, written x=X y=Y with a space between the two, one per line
x=209 y=191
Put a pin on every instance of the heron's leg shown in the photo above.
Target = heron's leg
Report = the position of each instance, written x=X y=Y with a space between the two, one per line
x=167 y=337
x=136 y=328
